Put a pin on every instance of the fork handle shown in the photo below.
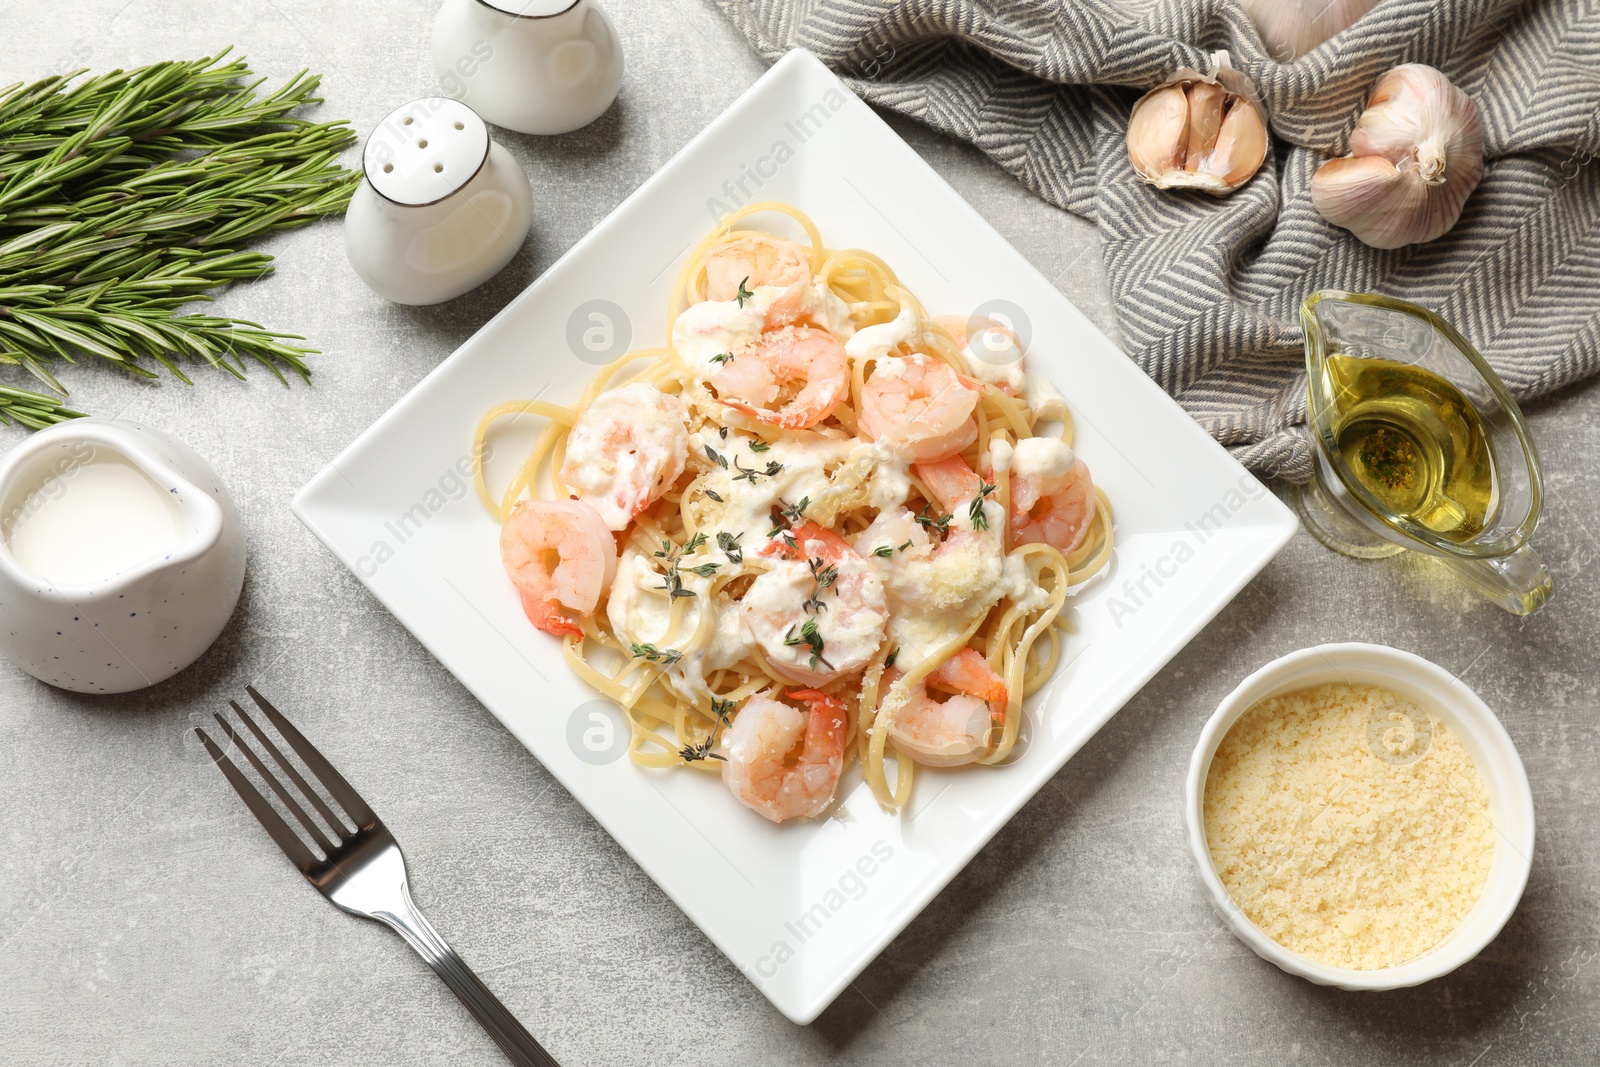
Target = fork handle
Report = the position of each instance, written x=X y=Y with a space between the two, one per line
x=518 y=1045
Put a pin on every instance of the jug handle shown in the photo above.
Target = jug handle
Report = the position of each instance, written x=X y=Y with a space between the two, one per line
x=1520 y=582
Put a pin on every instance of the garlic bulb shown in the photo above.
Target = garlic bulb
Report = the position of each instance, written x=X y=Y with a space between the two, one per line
x=1291 y=28
x=1198 y=132
x=1415 y=156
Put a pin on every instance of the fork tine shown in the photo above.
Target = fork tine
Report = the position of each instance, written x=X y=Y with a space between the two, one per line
x=277 y=787
x=330 y=778
x=292 y=846
x=333 y=820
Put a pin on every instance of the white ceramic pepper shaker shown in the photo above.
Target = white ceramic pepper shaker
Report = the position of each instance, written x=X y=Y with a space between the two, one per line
x=534 y=66
x=442 y=208
x=122 y=556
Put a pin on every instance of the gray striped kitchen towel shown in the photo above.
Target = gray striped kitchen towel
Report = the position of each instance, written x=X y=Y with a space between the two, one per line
x=1207 y=290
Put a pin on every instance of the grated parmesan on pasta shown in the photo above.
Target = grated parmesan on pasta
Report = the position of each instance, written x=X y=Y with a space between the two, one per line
x=1348 y=824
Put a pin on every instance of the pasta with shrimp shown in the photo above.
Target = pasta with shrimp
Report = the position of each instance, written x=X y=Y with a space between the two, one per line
x=818 y=528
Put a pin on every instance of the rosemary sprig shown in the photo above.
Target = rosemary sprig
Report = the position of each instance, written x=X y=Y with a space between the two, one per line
x=33 y=410
x=125 y=195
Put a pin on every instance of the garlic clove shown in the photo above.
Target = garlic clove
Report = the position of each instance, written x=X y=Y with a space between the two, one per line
x=1241 y=146
x=1206 y=101
x=1368 y=196
x=1158 y=130
x=1416 y=156
x=1198 y=133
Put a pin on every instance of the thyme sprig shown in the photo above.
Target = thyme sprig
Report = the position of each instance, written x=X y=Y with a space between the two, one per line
x=729 y=543
x=980 y=521
x=793 y=513
x=823 y=575
x=124 y=196
x=723 y=710
x=743 y=294
x=771 y=471
x=926 y=518
x=811 y=637
x=673 y=580
x=888 y=551
x=664 y=656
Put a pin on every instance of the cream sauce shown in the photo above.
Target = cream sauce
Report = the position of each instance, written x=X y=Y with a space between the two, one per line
x=93 y=522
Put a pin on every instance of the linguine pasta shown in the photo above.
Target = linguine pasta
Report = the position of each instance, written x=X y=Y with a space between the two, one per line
x=683 y=656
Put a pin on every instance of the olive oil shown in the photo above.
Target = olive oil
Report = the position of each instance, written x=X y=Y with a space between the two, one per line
x=1415 y=442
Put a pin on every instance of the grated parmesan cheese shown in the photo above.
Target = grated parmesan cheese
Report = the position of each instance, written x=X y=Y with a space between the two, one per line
x=1348 y=824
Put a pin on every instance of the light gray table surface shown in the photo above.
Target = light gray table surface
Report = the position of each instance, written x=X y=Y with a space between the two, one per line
x=146 y=919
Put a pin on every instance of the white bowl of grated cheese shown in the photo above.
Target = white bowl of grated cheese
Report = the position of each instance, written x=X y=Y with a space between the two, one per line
x=1289 y=854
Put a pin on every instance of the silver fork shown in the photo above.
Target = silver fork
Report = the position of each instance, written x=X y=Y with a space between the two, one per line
x=363 y=872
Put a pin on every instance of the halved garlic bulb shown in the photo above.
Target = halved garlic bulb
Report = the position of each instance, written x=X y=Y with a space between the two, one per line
x=1197 y=133
x=1415 y=156
x=1291 y=28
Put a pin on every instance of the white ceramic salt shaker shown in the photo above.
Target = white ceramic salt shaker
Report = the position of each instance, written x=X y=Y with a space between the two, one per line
x=442 y=208
x=534 y=66
x=121 y=559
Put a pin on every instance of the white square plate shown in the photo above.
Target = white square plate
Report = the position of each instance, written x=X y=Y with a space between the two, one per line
x=800 y=908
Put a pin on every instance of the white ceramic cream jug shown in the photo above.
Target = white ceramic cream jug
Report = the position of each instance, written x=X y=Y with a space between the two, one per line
x=442 y=208
x=121 y=556
x=534 y=66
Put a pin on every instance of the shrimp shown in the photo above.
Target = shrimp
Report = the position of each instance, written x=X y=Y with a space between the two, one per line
x=1052 y=497
x=939 y=584
x=951 y=579
x=956 y=730
x=793 y=377
x=780 y=763
x=559 y=553
x=819 y=613
x=921 y=405
x=758 y=261
x=626 y=449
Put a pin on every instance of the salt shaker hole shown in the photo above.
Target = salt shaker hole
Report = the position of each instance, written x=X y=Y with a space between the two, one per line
x=459 y=126
x=388 y=168
x=438 y=168
x=422 y=144
x=407 y=120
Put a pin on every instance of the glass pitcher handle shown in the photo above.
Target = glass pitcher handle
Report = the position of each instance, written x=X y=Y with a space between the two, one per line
x=1519 y=583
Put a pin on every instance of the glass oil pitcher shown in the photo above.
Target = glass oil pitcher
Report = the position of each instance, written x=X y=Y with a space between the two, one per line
x=1418 y=446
